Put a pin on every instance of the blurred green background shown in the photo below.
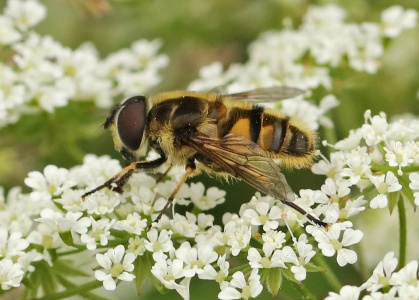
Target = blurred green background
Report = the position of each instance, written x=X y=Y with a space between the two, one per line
x=194 y=34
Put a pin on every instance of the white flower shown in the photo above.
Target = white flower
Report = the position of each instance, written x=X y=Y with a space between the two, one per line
x=11 y=274
x=305 y=254
x=414 y=185
x=329 y=241
x=272 y=239
x=52 y=182
x=101 y=203
x=271 y=259
x=336 y=190
x=395 y=18
x=46 y=236
x=238 y=288
x=238 y=235
x=359 y=165
x=408 y=275
x=136 y=245
x=25 y=14
x=382 y=273
x=213 y=197
x=332 y=168
x=132 y=224
x=158 y=243
x=99 y=233
x=95 y=170
x=71 y=221
x=211 y=273
x=347 y=292
x=197 y=258
x=398 y=155
x=8 y=34
x=12 y=245
x=184 y=225
x=168 y=272
x=353 y=207
x=263 y=214
x=375 y=132
x=385 y=184
x=116 y=264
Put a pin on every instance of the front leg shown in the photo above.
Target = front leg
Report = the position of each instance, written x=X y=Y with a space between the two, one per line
x=117 y=182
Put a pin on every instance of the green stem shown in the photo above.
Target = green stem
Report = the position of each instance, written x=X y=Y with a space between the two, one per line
x=306 y=292
x=78 y=290
x=403 y=233
x=329 y=274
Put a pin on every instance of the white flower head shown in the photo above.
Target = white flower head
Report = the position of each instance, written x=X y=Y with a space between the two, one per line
x=387 y=183
x=52 y=182
x=11 y=274
x=264 y=214
x=333 y=241
x=347 y=292
x=25 y=14
x=12 y=244
x=414 y=185
x=102 y=202
x=174 y=275
x=8 y=33
x=116 y=264
x=212 y=197
x=270 y=259
x=196 y=258
x=132 y=224
x=240 y=288
x=399 y=155
x=395 y=19
x=158 y=242
x=382 y=273
x=99 y=233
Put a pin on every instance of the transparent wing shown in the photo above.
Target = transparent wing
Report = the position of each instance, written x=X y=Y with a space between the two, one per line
x=245 y=160
x=271 y=94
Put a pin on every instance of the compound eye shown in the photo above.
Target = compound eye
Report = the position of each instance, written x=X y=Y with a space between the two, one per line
x=131 y=122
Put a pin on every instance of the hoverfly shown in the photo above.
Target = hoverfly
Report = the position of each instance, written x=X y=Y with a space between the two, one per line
x=224 y=134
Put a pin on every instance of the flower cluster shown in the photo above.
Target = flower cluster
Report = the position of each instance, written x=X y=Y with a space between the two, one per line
x=385 y=282
x=376 y=166
x=41 y=74
x=303 y=57
x=377 y=160
x=380 y=159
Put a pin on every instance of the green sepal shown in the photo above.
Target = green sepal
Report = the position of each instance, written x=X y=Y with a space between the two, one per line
x=142 y=272
x=290 y=275
x=393 y=198
x=313 y=268
x=67 y=238
x=273 y=280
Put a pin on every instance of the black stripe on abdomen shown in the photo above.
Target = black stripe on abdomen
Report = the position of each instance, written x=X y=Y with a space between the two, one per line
x=255 y=122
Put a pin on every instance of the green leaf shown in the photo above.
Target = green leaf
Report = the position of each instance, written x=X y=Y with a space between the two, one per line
x=290 y=275
x=273 y=280
x=142 y=272
x=67 y=238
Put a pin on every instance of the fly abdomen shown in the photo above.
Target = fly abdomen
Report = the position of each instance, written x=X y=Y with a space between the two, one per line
x=274 y=133
x=279 y=135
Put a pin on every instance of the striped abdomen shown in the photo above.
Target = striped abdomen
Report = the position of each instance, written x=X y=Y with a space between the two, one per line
x=280 y=136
